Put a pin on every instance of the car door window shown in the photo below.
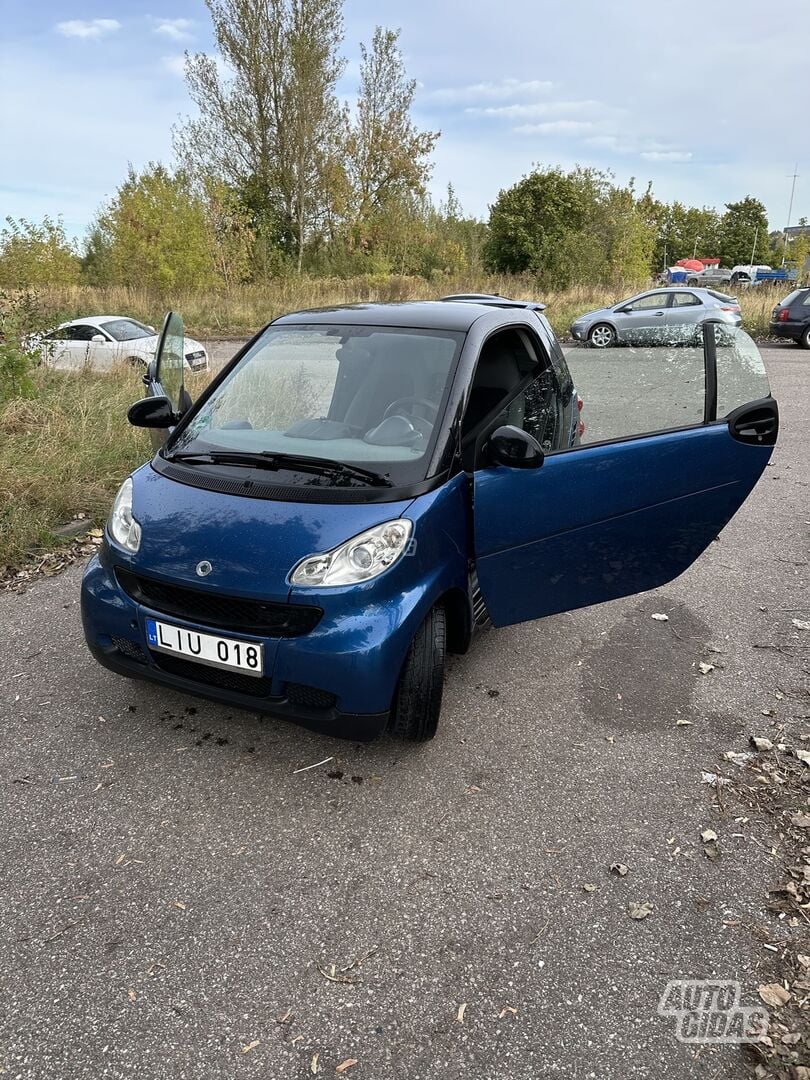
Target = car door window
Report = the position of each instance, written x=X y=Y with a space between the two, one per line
x=82 y=332
x=648 y=303
x=685 y=299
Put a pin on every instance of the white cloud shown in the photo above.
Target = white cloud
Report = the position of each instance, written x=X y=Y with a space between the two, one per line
x=87 y=28
x=535 y=109
x=175 y=65
x=176 y=29
x=666 y=155
x=555 y=127
x=504 y=90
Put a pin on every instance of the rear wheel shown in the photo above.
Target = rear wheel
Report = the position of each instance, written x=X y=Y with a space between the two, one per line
x=418 y=700
x=602 y=336
x=804 y=340
x=136 y=362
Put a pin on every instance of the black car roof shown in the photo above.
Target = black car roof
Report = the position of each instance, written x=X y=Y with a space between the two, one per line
x=420 y=314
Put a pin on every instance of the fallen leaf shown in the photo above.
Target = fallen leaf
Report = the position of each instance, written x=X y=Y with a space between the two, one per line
x=659 y=617
x=712 y=852
x=705 y=668
x=179 y=904
x=131 y=995
x=760 y=743
x=250 y=1046
x=801 y=821
x=639 y=911
x=313 y=1065
x=708 y=835
x=460 y=1014
x=681 y=722
x=347 y=1064
x=507 y=1009
x=619 y=868
x=803 y=756
x=737 y=758
x=589 y=888
x=774 y=994
x=803 y=960
x=801 y=624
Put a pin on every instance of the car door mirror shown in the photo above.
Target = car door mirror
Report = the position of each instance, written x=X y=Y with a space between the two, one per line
x=514 y=447
x=98 y=337
x=152 y=412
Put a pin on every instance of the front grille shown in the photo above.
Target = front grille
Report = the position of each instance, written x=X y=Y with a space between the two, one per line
x=129 y=648
x=227 y=612
x=310 y=697
x=227 y=680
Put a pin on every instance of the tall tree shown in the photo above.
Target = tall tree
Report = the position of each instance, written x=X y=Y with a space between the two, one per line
x=386 y=155
x=269 y=119
x=743 y=232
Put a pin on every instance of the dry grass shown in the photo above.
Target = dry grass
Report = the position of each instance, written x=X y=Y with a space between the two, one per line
x=243 y=310
x=63 y=452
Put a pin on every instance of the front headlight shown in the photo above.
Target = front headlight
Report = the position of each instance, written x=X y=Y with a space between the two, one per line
x=359 y=559
x=124 y=529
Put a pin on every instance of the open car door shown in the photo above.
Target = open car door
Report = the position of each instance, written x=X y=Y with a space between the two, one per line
x=165 y=375
x=676 y=439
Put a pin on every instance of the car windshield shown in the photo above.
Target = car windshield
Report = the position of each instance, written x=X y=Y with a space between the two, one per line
x=363 y=396
x=127 y=329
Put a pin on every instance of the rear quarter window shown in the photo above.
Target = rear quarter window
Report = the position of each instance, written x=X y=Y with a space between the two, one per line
x=722 y=297
x=791 y=297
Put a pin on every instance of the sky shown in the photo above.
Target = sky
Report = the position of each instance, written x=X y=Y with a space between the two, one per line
x=709 y=101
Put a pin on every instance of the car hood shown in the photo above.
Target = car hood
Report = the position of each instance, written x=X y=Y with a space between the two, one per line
x=252 y=544
x=598 y=314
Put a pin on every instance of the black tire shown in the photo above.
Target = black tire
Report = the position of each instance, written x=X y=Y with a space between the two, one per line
x=605 y=336
x=418 y=700
x=804 y=340
x=136 y=362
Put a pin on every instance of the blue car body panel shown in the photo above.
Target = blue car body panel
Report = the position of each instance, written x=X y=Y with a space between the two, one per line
x=606 y=521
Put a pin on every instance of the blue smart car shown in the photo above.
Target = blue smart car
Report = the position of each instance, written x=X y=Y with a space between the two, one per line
x=362 y=487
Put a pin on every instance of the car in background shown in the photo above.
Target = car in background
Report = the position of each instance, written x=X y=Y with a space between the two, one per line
x=102 y=341
x=791 y=317
x=660 y=316
x=712 y=275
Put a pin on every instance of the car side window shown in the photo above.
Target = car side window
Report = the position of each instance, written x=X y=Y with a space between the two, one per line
x=648 y=303
x=806 y=301
x=536 y=410
x=82 y=332
x=685 y=299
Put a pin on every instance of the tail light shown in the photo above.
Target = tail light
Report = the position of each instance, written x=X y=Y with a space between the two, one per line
x=784 y=314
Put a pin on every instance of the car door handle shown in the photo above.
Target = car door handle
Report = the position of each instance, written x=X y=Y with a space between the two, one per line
x=658 y=313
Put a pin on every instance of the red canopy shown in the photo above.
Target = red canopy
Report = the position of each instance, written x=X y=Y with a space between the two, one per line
x=690 y=264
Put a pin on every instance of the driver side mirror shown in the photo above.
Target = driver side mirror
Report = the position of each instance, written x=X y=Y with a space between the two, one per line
x=516 y=448
x=98 y=337
x=152 y=412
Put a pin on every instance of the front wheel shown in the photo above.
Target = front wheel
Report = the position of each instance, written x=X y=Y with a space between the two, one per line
x=602 y=336
x=418 y=699
x=804 y=340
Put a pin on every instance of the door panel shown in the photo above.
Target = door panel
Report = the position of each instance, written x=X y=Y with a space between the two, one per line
x=618 y=517
x=606 y=521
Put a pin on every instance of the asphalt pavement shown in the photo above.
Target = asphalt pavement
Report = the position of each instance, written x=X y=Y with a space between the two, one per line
x=181 y=902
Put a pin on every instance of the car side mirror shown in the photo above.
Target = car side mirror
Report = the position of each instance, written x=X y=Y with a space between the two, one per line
x=152 y=412
x=98 y=337
x=516 y=448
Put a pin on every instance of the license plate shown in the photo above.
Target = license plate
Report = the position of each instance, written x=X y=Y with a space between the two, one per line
x=211 y=649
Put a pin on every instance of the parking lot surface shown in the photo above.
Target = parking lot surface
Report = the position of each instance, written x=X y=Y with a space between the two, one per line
x=181 y=901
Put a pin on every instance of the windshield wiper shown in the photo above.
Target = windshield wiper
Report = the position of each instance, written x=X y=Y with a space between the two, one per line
x=266 y=459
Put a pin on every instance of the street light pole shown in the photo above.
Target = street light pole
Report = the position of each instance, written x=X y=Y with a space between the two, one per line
x=790 y=211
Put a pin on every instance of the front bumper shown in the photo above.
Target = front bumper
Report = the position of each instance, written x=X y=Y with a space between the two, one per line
x=330 y=680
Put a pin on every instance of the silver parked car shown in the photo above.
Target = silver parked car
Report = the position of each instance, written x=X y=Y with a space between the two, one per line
x=657 y=317
x=712 y=275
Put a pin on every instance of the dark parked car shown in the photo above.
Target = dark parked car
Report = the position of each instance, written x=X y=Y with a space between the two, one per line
x=791 y=317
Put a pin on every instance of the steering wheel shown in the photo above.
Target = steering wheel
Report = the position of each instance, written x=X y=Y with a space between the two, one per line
x=391 y=410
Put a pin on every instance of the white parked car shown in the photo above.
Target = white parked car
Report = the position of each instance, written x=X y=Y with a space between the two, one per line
x=101 y=341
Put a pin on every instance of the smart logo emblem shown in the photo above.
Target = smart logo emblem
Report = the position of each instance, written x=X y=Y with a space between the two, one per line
x=204 y=568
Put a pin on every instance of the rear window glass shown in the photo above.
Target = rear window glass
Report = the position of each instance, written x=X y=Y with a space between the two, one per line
x=722 y=297
x=791 y=297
